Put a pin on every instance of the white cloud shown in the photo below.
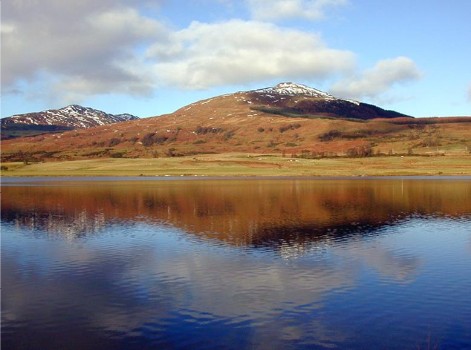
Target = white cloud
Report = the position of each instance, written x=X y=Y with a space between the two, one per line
x=269 y=10
x=84 y=48
x=469 y=93
x=378 y=80
x=237 y=52
x=82 y=45
x=130 y=77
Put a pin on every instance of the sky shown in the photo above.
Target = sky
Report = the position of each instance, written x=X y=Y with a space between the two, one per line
x=151 y=57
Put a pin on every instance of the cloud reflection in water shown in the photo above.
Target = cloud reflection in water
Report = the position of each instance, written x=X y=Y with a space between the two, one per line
x=248 y=263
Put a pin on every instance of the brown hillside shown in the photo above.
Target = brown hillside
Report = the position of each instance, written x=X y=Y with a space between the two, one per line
x=240 y=122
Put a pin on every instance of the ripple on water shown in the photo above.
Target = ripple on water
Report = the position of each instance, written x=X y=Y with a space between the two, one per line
x=300 y=281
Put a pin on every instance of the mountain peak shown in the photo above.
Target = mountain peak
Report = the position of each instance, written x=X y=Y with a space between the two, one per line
x=70 y=117
x=293 y=89
x=73 y=109
x=74 y=106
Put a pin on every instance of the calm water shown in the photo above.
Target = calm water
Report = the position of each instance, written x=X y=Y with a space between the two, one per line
x=236 y=264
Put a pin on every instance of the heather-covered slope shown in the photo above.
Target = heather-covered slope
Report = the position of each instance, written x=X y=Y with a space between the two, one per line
x=259 y=121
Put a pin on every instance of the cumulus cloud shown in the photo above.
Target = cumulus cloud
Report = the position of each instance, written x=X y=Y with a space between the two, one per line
x=235 y=52
x=77 y=49
x=469 y=93
x=85 y=45
x=270 y=10
x=377 y=80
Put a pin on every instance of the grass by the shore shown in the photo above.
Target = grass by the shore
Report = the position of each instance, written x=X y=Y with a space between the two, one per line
x=248 y=165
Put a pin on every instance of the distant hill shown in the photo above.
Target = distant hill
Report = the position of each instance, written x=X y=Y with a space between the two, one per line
x=58 y=120
x=288 y=119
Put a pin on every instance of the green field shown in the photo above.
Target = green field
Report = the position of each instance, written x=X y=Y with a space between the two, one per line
x=247 y=165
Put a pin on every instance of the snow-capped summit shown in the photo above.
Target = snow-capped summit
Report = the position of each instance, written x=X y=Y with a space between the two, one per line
x=67 y=118
x=73 y=116
x=292 y=89
x=293 y=99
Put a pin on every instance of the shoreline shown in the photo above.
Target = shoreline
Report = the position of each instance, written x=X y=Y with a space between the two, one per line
x=246 y=166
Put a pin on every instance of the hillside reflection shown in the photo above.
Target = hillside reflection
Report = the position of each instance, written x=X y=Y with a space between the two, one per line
x=288 y=213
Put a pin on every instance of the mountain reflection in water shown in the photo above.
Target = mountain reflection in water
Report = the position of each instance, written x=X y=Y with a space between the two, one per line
x=236 y=264
x=258 y=213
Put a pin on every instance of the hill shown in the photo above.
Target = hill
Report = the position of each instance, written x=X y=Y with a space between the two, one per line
x=296 y=100
x=58 y=120
x=288 y=119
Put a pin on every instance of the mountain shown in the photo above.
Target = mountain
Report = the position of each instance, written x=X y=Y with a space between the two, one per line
x=289 y=119
x=58 y=120
x=292 y=99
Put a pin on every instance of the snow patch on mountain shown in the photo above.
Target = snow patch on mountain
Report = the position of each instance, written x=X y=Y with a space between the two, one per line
x=73 y=116
x=293 y=89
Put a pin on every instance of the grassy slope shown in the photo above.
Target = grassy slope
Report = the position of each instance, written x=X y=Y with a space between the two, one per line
x=229 y=124
x=248 y=165
x=222 y=137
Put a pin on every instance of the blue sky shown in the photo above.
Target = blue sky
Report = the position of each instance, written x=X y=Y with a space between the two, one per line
x=150 y=57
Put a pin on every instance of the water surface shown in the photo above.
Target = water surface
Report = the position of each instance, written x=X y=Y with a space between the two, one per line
x=311 y=263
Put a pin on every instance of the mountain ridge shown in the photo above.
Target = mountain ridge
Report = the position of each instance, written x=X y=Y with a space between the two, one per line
x=58 y=120
x=293 y=89
x=288 y=119
x=302 y=100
